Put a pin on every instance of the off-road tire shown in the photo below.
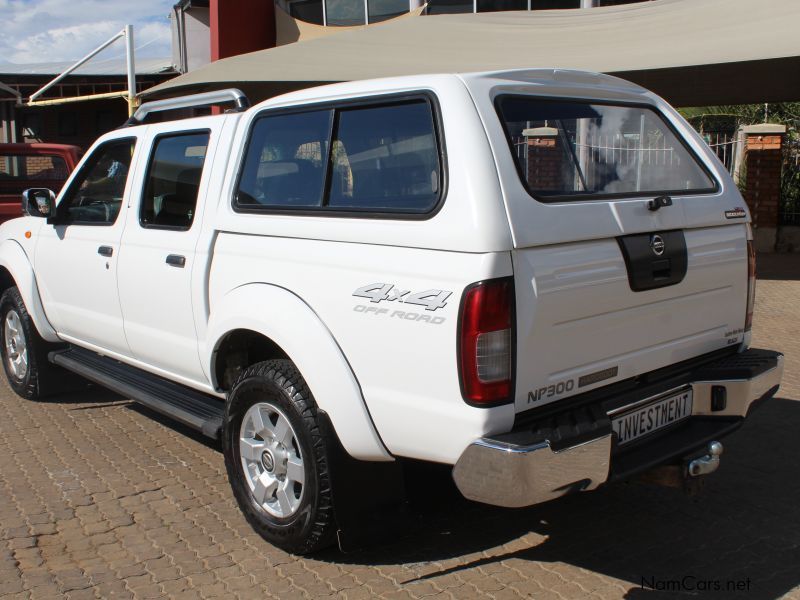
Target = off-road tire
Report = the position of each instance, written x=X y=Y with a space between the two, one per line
x=277 y=382
x=41 y=378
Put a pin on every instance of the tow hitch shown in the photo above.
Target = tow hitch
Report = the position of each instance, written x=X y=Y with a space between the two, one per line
x=688 y=475
x=708 y=463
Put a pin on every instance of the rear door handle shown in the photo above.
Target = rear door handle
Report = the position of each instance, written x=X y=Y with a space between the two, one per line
x=176 y=260
x=105 y=251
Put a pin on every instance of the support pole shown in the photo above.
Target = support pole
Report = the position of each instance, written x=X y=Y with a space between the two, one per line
x=86 y=58
x=129 y=60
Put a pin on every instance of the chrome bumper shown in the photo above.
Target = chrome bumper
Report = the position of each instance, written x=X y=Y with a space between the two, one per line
x=741 y=393
x=502 y=474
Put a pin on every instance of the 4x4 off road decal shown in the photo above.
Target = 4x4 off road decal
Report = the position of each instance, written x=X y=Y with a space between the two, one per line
x=378 y=292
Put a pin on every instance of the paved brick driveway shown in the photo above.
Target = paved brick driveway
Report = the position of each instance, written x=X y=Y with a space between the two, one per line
x=99 y=500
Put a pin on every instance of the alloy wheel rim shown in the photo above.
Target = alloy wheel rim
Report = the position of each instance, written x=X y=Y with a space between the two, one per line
x=271 y=460
x=16 y=346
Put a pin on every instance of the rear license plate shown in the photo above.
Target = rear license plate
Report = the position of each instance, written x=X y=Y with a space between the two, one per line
x=652 y=417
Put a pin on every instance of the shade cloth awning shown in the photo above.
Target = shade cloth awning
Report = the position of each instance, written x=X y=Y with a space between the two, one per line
x=692 y=52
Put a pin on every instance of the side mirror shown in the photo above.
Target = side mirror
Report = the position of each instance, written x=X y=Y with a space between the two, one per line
x=38 y=202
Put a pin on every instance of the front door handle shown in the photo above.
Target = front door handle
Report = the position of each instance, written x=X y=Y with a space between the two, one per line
x=105 y=251
x=176 y=260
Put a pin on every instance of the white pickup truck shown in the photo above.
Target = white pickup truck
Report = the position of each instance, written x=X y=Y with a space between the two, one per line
x=543 y=278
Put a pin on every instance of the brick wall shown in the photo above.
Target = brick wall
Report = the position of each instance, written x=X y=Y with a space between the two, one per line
x=544 y=159
x=762 y=179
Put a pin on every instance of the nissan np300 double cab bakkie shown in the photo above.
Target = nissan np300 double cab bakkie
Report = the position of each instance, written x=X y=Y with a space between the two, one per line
x=541 y=278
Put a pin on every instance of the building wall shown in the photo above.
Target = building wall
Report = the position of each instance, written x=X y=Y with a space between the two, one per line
x=191 y=37
x=80 y=123
x=241 y=26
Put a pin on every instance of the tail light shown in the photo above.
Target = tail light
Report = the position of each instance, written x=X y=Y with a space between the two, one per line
x=486 y=342
x=751 y=284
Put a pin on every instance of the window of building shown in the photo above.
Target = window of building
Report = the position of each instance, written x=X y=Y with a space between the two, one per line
x=173 y=181
x=501 y=5
x=309 y=11
x=95 y=195
x=447 y=7
x=554 y=4
x=345 y=12
x=382 y=159
x=381 y=10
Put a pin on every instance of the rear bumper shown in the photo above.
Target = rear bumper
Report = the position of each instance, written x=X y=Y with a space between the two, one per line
x=506 y=471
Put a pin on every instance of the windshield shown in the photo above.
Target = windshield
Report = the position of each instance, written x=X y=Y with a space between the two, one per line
x=567 y=149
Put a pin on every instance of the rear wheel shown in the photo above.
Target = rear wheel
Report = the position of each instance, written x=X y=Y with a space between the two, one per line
x=24 y=352
x=277 y=458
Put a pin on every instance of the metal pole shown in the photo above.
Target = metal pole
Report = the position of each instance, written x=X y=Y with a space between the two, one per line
x=78 y=64
x=642 y=132
x=129 y=60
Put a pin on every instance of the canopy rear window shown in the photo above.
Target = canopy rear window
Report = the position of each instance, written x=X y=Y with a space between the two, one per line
x=581 y=150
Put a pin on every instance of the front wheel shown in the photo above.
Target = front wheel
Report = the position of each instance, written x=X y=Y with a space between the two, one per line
x=277 y=458
x=24 y=352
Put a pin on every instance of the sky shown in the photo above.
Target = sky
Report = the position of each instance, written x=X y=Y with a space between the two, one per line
x=65 y=30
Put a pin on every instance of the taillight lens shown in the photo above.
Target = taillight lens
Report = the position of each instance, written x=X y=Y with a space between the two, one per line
x=751 y=284
x=486 y=342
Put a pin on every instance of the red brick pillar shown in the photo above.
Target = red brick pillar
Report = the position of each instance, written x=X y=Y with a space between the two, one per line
x=544 y=158
x=762 y=180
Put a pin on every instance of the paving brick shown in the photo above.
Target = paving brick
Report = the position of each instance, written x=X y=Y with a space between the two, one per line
x=106 y=502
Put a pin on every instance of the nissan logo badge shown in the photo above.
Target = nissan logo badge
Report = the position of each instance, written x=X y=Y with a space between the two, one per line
x=657 y=245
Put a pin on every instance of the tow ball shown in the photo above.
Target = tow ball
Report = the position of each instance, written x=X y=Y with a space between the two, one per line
x=686 y=475
x=706 y=464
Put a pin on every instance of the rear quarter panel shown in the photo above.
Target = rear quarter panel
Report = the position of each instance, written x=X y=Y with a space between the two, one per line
x=403 y=355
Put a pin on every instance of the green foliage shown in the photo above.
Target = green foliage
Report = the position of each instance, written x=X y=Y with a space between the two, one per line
x=730 y=117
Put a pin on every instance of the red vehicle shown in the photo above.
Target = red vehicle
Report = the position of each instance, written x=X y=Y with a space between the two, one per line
x=24 y=166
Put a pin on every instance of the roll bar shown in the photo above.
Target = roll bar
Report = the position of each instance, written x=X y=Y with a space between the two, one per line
x=191 y=101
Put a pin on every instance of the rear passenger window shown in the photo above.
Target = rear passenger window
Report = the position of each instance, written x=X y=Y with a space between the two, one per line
x=385 y=158
x=382 y=158
x=285 y=161
x=173 y=181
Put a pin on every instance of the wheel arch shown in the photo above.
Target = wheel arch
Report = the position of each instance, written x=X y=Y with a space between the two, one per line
x=284 y=326
x=16 y=269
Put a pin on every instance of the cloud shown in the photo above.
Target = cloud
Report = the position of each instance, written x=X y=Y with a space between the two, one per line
x=63 y=30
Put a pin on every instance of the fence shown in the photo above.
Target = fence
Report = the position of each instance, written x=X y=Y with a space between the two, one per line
x=790 y=183
x=728 y=146
x=627 y=152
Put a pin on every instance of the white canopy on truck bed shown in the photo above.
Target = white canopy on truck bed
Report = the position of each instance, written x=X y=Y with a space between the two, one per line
x=691 y=52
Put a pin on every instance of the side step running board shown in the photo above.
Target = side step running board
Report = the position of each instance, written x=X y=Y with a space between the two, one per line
x=194 y=409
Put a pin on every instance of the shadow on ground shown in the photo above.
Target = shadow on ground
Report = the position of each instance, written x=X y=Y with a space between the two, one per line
x=743 y=527
x=784 y=267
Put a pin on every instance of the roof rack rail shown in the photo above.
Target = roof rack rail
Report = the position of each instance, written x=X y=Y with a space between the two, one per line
x=191 y=101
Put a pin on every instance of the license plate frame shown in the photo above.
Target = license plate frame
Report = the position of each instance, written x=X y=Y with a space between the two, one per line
x=653 y=416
